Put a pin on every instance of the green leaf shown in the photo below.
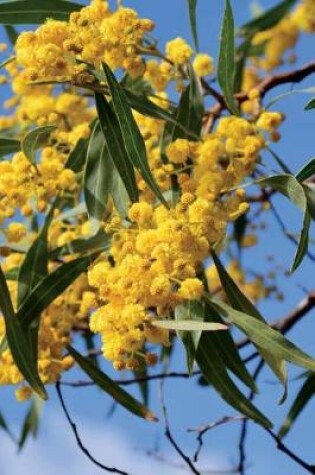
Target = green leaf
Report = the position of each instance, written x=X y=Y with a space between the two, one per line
x=223 y=341
x=239 y=229
x=279 y=161
x=310 y=198
x=302 y=247
x=50 y=288
x=192 y=5
x=307 y=171
x=226 y=63
x=77 y=156
x=138 y=86
x=240 y=302
x=7 y=61
x=34 y=140
x=32 y=12
x=100 y=242
x=12 y=34
x=189 y=113
x=132 y=138
x=267 y=19
x=97 y=175
x=189 y=325
x=310 y=105
x=18 y=342
x=305 y=394
x=209 y=359
x=288 y=186
x=35 y=264
x=110 y=387
x=115 y=146
x=31 y=421
x=306 y=90
x=264 y=336
x=187 y=311
x=8 y=145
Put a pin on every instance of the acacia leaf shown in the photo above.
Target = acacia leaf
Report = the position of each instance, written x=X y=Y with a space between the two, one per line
x=226 y=62
x=18 y=342
x=110 y=387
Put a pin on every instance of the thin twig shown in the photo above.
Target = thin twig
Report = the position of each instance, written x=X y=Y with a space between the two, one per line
x=170 y=437
x=243 y=435
x=78 y=439
x=281 y=446
x=206 y=428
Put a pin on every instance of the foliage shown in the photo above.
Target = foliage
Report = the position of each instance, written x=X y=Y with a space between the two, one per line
x=123 y=193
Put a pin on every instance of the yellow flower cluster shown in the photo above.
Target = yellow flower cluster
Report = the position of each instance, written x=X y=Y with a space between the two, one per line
x=283 y=37
x=58 y=50
x=71 y=308
x=156 y=259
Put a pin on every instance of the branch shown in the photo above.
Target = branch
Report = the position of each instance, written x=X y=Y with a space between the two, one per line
x=243 y=435
x=78 y=439
x=170 y=437
x=271 y=82
x=204 y=429
x=281 y=446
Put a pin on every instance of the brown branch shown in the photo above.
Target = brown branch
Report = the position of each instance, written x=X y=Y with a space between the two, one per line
x=270 y=82
x=78 y=439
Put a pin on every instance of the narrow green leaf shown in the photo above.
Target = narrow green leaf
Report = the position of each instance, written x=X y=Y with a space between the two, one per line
x=274 y=100
x=267 y=19
x=32 y=12
x=5 y=427
x=225 y=345
x=138 y=86
x=31 y=422
x=209 y=359
x=100 y=242
x=226 y=62
x=115 y=145
x=307 y=171
x=18 y=342
x=12 y=34
x=97 y=175
x=240 y=302
x=310 y=105
x=35 y=264
x=302 y=247
x=7 y=61
x=34 y=140
x=288 y=186
x=305 y=394
x=280 y=162
x=50 y=288
x=189 y=113
x=77 y=156
x=133 y=140
x=239 y=229
x=189 y=325
x=8 y=145
x=310 y=198
x=187 y=311
x=192 y=5
x=110 y=387
x=264 y=336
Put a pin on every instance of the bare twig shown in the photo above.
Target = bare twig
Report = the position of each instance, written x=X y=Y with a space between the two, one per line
x=170 y=437
x=281 y=446
x=243 y=435
x=206 y=428
x=78 y=439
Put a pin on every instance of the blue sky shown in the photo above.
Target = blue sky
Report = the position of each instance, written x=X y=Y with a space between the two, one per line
x=123 y=440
